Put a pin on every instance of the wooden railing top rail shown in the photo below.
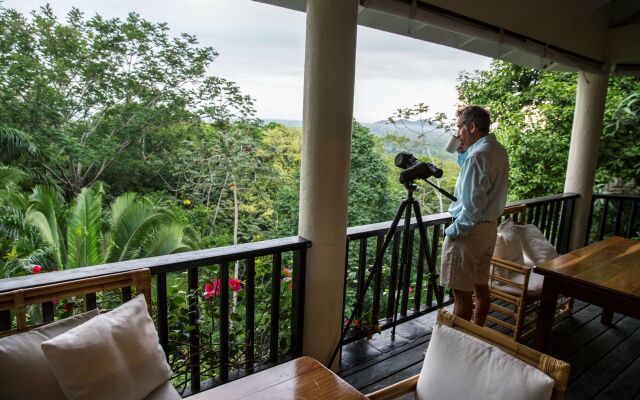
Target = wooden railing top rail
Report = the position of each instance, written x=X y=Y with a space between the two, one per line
x=615 y=196
x=358 y=232
x=168 y=263
x=545 y=199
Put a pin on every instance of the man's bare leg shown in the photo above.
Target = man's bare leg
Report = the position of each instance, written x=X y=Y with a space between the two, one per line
x=483 y=302
x=462 y=304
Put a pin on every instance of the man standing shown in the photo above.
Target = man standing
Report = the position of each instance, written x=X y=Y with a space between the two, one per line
x=481 y=190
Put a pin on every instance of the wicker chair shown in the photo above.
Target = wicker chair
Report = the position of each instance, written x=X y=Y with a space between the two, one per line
x=556 y=369
x=18 y=300
x=515 y=292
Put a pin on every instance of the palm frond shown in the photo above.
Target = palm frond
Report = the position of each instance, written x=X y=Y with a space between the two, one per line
x=168 y=239
x=47 y=214
x=15 y=143
x=84 y=228
x=129 y=231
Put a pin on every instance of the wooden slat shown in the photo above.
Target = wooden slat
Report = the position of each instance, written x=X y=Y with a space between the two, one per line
x=275 y=308
x=163 y=312
x=377 y=282
x=224 y=322
x=249 y=341
x=393 y=276
x=194 y=332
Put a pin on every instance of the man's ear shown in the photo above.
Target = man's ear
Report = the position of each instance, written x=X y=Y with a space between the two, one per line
x=473 y=129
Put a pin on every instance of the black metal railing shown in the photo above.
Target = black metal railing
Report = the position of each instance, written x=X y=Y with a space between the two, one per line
x=552 y=214
x=236 y=327
x=613 y=215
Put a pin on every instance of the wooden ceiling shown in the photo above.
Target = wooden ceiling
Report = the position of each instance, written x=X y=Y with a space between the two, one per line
x=568 y=35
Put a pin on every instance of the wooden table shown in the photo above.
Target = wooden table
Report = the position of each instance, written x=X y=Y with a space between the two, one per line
x=605 y=273
x=303 y=378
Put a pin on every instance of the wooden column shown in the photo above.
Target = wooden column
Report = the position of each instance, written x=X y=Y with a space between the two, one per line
x=583 y=151
x=324 y=183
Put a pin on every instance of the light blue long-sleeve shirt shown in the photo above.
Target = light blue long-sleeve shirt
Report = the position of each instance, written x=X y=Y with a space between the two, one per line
x=481 y=188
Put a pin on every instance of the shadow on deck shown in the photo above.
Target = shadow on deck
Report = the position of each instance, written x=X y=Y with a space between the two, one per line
x=605 y=361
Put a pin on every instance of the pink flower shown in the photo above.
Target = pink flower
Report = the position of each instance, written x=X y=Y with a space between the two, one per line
x=286 y=272
x=410 y=289
x=55 y=301
x=235 y=284
x=36 y=269
x=211 y=290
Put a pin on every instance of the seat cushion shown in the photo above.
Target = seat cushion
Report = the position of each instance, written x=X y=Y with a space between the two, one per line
x=509 y=243
x=166 y=391
x=459 y=366
x=116 y=355
x=535 y=246
x=22 y=362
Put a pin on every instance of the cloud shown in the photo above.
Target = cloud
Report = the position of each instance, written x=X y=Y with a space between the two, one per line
x=262 y=49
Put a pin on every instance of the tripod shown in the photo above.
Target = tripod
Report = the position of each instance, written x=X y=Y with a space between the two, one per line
x=405 y=207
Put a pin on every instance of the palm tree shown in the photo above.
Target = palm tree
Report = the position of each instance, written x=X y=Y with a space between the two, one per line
x=83 y=234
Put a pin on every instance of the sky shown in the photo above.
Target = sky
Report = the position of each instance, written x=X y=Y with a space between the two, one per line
x=261 y=48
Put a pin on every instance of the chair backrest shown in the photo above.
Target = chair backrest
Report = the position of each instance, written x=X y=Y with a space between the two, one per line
x=18 y=300
x=556 y=369
x=516 y=213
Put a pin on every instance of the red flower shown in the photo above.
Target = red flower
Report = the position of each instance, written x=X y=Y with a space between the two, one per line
x=36 y=269
x=291 y=286
x=211 y=290
x=286 y=272
x=235 y=284
x=68 y=307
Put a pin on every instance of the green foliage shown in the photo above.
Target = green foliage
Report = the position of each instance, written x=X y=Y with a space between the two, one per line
x=96 y=94
x=368 y=179
x=533 y=111
x=619 y=152
x=14 y=144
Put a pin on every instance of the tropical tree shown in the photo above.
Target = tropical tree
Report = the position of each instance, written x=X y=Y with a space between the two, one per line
x=533 y=111
x=96 y=93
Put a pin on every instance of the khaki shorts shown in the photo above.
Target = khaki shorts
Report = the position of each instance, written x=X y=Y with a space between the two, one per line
x=466 y=260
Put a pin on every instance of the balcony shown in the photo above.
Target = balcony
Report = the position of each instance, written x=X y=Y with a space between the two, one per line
x=211 y=342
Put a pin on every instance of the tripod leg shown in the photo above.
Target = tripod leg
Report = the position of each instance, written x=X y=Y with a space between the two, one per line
x=377 y=266
x=404 y=263
x=433 y=275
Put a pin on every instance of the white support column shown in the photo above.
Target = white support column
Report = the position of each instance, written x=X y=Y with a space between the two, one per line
x=324 y=183
x=583 y=151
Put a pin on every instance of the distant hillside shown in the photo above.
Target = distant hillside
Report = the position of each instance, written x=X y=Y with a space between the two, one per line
x=408 y=132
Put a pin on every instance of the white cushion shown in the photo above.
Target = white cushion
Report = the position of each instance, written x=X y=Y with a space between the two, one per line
x=25 y=373
x=166 y=391
x=535 y=246
x=116 y=355
x=508 y=243
x=458 y=366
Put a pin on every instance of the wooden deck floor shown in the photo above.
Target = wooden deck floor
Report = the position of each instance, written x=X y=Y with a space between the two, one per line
x=605 y=361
